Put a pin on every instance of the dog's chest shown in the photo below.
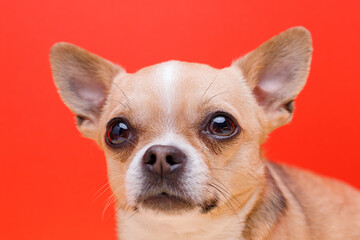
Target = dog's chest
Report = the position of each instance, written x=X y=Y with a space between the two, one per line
x=140 y=227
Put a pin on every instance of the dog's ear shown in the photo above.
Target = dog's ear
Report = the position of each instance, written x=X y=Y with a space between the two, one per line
x=277 y=71
x=83 y=80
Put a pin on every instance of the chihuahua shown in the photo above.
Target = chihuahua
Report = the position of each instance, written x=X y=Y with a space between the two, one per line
x=183 y=145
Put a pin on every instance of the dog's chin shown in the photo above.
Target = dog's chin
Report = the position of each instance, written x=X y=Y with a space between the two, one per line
x=167 y=203
x=170 y=204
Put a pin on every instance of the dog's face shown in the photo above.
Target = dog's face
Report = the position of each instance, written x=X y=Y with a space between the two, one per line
x=179 y=136
x=182 y=131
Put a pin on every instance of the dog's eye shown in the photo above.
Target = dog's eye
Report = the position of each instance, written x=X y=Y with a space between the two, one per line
x=221 y=126
x=117 y=133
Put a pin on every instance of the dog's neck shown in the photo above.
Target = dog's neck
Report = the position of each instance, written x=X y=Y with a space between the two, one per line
x=268 y=210
x=263 y=210
x=146 y=225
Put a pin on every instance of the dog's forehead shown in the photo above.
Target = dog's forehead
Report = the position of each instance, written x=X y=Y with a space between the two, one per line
x=172 y=88
x=175 y=75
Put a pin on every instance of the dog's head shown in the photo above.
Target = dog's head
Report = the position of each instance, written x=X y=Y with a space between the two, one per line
x=182 y=136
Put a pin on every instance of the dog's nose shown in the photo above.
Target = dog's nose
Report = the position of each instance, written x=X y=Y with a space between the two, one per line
x=163 y=160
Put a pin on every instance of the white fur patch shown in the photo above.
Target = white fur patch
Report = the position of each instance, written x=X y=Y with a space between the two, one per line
x=167 y=75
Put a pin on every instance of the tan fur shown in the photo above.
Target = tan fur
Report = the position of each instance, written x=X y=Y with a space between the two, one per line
x=291 y=49
x=257 y=199
x=74 y=67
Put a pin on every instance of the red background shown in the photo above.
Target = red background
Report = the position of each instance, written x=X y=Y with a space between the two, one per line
x=49 y=175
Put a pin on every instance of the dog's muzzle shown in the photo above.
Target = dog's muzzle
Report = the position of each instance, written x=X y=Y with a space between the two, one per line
x=163 y=168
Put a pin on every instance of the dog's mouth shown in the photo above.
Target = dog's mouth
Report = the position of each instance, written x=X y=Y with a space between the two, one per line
x=172 y=204
x=167 y=203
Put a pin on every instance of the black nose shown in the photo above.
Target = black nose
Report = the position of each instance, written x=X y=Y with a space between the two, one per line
x=163 y=160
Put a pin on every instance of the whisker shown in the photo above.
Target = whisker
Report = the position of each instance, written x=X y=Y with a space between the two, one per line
x=110 y=201
x=132 y=143
x=211 y=98
x=217 y=73
x=106 y=186
x=224 y=189
x=227 y=190
x=248 y=170
x=101 y=191
x=122 y=104
x=224 y=169
x=227 y=202
x=126 y=207
x=112 y=198
x=135 y=212
x=126 y=97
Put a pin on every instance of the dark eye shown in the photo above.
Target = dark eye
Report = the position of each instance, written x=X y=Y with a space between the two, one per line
x=118 y=132
x=221 y=126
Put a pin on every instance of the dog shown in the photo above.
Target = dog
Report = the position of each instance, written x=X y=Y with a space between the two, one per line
x=183 y=145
